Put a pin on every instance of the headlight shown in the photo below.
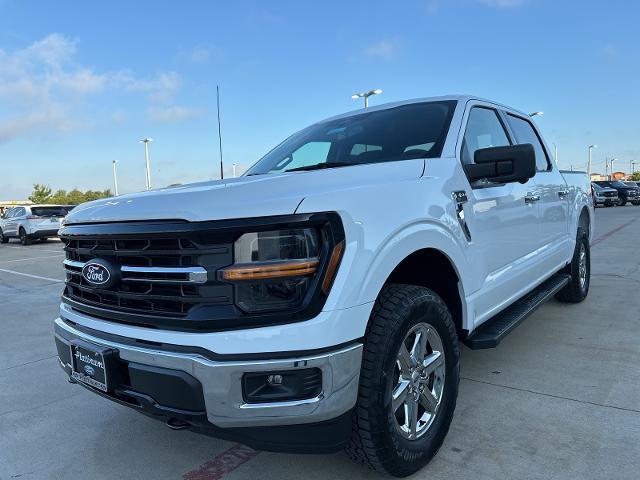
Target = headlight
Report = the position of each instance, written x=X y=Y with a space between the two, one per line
x=276 y=269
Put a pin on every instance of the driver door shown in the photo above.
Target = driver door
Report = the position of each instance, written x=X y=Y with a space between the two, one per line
x=502 y=219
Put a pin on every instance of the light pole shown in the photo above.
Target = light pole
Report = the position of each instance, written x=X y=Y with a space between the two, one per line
x=115 y=177
x=146 y=159
x=589 y=164
x=535 y=114
x=366 y=95
x=633 y=167
x=611 y=165
x=555 y=148
x=233 y=166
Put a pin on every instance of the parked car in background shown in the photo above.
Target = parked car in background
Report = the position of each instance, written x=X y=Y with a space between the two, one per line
x=319 y=301
x=33 y=222
x=605 y=196
x=626 y=193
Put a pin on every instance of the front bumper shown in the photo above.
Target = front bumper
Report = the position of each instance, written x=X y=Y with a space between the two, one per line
x=606 y=200
x=220 y=382
x=43 y=233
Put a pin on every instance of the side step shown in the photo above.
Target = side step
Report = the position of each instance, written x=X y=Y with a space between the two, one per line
x=490 y=333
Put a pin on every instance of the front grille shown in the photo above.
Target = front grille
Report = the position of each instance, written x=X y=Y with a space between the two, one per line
x=166 y=277
x=610 y=194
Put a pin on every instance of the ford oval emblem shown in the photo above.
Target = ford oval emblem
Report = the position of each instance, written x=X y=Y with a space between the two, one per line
x=88 y=369
x=96 y=273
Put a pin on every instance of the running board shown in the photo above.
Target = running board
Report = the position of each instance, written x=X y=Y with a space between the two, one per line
x=491 y=333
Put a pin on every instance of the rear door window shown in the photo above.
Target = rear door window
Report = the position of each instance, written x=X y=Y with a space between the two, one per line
x=525 y=133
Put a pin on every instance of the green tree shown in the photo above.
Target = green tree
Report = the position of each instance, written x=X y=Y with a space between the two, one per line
x=59 y=198
x=40 y=194
x=635 y=177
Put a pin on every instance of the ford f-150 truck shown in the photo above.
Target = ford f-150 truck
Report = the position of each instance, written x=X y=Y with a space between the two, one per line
x=319 y=301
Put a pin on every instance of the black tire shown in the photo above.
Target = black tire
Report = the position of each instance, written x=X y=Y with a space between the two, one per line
x=576 y=291
x=24 y=238
x=375 y=440
x=43 y=239
x=622 y=201
x=3 y=239
x=636 y=203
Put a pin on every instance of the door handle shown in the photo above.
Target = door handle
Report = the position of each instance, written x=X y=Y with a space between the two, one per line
x=530 y=198
x=563 y=193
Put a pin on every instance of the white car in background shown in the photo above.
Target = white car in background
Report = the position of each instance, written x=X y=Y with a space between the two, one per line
x=32 y=222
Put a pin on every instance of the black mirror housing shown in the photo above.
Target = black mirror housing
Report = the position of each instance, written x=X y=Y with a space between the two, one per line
x=508 y=164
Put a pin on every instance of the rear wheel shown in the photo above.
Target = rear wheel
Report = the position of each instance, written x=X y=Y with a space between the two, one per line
x=580 y=271
x=24 y=238
x=3 y=239
x=636 y=203
x=408 y=382
x=622 y=201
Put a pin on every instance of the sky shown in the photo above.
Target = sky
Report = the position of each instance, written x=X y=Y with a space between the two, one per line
x=82 y=82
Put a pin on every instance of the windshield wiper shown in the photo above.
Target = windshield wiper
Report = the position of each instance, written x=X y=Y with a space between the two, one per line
x=320 y=166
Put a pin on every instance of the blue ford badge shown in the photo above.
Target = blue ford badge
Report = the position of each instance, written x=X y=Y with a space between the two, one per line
x=88 y=369
x=96 y=273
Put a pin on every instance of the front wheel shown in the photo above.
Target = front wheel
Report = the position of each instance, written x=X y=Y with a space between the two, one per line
x=636 y=203
x=579 y=271
x=408 y=382
x=622 y=201
x=3 y=239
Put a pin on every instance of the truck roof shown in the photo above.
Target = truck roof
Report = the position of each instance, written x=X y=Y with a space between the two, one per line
x=385 y=106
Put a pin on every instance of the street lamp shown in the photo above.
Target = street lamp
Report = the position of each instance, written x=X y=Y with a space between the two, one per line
x=115 y=177
x=534 y=114
x=633 y=167
x=611 y=165
x=146 y=159
x=589 y=164
x=233 y=166
x=366 y=95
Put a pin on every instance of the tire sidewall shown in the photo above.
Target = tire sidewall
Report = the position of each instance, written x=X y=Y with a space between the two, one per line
x=582 y=239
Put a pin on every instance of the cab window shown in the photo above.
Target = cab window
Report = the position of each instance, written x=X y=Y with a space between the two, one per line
x=484 y=130
x=525 y=133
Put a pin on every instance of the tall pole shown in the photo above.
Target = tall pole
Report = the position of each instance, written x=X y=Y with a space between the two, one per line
x=146 y=160
x=115 y=178
x=366 y=101
x=611 y=164
x=234 y=169
x=589 y=164
x=366 y=95
x=633 y=167
x=219 y=131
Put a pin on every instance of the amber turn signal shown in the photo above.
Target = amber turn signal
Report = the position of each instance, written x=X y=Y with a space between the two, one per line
x=296 y=268
x=332 y=268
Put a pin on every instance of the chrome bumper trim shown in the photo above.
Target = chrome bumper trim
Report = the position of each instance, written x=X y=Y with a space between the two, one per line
x=221 y=381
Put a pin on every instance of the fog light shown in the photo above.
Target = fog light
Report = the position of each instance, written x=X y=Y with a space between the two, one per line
x=287 y=385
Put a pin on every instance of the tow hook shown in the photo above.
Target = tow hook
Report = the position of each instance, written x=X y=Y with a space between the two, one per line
x=176 y=424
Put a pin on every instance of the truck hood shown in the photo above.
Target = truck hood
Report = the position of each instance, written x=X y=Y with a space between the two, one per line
x=243 y=197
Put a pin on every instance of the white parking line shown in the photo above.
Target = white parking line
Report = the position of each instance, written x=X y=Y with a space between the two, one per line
x=32 y=258
x=38 y=277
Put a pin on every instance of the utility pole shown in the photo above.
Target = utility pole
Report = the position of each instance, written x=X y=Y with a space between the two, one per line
x=589 y=164
x=219 y=131
x=115 y=177
x=146 y=159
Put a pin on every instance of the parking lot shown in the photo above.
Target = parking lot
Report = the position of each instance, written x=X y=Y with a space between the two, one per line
x=559 y=398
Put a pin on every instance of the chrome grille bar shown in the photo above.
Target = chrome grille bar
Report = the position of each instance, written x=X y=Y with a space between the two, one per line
x=191 y=274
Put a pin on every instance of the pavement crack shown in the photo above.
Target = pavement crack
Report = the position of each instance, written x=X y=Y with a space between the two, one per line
x=560 y=397
x=615 y=275
x=28 y=363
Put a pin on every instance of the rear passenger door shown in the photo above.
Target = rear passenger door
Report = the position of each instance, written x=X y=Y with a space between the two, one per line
x=10 y=223
x=552 y=191
x=502 y=221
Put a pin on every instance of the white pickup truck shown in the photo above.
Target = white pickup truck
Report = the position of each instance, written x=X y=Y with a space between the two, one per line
x=318 y=301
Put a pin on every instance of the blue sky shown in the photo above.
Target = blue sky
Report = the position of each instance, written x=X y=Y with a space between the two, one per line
x=81 y=82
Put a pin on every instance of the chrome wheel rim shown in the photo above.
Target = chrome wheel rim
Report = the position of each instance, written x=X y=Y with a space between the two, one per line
x=582 y=266
x=419 y=375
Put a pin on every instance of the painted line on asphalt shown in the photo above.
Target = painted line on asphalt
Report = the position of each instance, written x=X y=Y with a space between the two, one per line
x=37 y=277
x=222 y=464
x=32 y=258
x=603 y=237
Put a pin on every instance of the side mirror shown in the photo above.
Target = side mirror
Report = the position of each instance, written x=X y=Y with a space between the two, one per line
x=513 y=163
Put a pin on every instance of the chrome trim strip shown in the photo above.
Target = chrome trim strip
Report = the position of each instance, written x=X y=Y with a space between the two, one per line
x=193 y=274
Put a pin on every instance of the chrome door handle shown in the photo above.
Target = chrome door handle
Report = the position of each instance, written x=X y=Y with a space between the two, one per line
x=563 y=193
x=530 y=198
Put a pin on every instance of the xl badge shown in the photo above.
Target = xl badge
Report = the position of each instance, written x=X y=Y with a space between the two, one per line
x=98 y=274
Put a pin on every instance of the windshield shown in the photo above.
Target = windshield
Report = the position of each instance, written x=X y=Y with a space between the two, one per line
x=410 y=131
x=618 y=184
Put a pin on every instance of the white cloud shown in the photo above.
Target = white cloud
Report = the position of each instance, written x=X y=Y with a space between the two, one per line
x=385 y=49
x=503 y=3
x=200 y=55
x=172 y=114
x=42 y=88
